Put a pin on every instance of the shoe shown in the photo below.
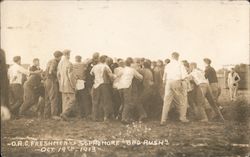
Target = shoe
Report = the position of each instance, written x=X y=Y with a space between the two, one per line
x=163 y=123
x=125 y=122
x=55 y=118
x=204 y=120
x=142 y=119
x=221 y=108
x=64 y=118
x=106 y=120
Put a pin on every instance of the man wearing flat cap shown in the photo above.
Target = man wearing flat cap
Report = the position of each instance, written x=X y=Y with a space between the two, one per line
x=52 y=87
x=67 y=85
x=211 y=76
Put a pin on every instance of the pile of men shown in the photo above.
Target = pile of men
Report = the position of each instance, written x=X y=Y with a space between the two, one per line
x=102 y=89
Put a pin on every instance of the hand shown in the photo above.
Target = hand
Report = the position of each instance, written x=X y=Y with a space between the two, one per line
x=38 y=71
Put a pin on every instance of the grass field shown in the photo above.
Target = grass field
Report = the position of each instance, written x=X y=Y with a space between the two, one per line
x=231 y=138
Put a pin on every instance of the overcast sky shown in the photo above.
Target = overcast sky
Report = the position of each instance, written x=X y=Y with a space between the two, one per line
x=218 y=30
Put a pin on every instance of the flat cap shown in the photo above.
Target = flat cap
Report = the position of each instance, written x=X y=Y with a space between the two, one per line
x=58 y=54
x=207 y=60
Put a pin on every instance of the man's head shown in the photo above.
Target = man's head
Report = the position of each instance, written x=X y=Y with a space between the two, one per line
x=58 y=55
x=66 y=53
x=129 y=61
x=78 y=59
x=136 y=60
x=167 y=61
x=159 y=63
x=96 y=55
x=175 y=56
x=120 y=62
x=17 y=59
x=36 y=62
x=207 y=61
x=147 y=64
x=193 y=65
x=103 y=58
x=95 y=58
x=109 y=61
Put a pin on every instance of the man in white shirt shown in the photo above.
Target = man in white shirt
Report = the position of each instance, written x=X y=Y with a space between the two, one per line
x=117 y=93
x=15 y=73
x=102 y=93
x=128 y=92
x=175 y=73
x=199 y=78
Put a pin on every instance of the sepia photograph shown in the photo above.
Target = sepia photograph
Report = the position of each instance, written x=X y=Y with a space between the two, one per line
x=116 y=78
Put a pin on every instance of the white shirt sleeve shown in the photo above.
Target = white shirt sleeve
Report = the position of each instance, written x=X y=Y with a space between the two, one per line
x=184 y=73
x=92 y=71
x=23 y=70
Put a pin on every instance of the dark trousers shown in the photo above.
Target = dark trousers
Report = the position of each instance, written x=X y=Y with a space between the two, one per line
x=68 y=104
x=102 y=102
x=207 y=92
x=84 y=103
x=16 y=98
x=52 y=96
x=149 y=100
x=131 y=104
x=117 y=102
x=196 y=101
x=30 y=98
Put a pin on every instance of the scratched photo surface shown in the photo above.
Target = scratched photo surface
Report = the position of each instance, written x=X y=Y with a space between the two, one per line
x=125 y=78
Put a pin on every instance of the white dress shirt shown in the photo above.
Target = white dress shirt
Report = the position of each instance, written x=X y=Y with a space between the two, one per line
x=198 y=76
x=127 y=75
x=15 y=73
x=117 y=73
x=98 y=72
x=174 y=71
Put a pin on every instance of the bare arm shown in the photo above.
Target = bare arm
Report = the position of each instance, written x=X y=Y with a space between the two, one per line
x=109 y=72
x=138 y=75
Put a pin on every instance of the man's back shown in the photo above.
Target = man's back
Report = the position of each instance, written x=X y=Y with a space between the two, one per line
x=51 y=69
x=66 y=77
x=147 y=77
x=175 y=71
x=79 y=70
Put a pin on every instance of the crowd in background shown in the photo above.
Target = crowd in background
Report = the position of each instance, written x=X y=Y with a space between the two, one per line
x=103 y=89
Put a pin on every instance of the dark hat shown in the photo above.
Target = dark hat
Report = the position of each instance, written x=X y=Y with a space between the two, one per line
x=58 y=54
x=16 y=58
x=207 y=60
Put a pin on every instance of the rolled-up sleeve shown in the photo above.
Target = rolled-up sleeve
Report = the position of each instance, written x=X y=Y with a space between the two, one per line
x=23 y=70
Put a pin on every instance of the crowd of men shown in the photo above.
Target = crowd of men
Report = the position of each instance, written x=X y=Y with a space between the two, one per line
x=103 y=89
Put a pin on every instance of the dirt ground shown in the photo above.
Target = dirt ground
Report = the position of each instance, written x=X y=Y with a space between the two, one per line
x=231 y=138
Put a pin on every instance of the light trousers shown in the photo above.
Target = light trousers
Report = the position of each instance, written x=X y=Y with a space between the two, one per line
x=175 y=91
